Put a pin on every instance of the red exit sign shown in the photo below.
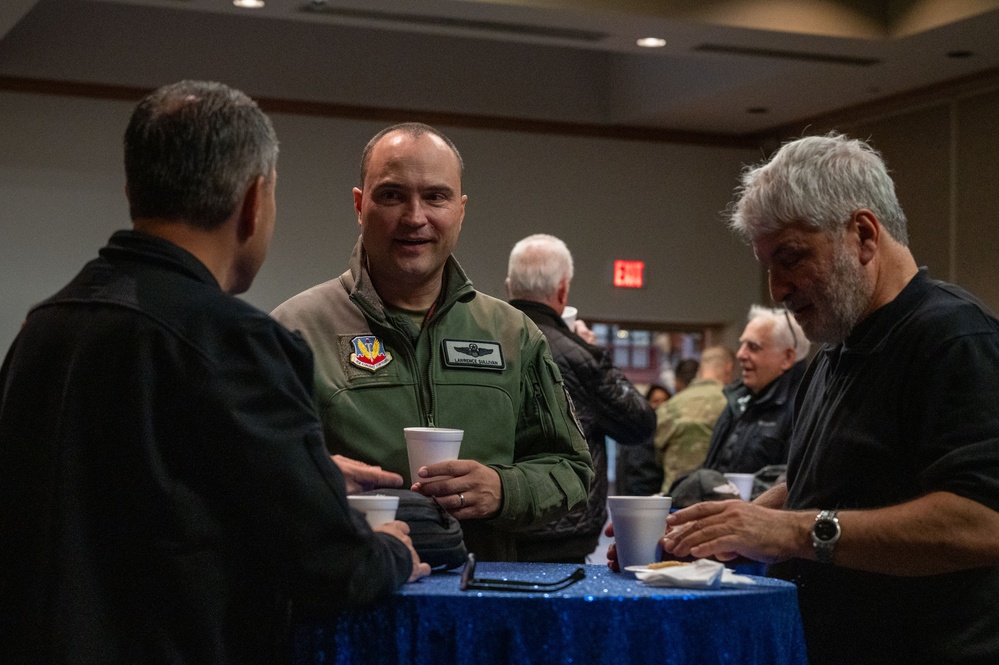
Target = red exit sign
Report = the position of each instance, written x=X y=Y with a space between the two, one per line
x=629 y=274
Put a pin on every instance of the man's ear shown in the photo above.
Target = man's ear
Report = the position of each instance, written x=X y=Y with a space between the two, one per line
x=868 y=230
x=358 y=200
x=562 y=294
x=249 y=209
x=788 y=359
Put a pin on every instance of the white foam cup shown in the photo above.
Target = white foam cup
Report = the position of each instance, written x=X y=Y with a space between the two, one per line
x=377 y=508
x=743 y=482
x=569 y=315
x=429 y=445
x=639 y=522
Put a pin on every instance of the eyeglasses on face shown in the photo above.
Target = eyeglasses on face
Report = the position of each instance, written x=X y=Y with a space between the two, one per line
x=469 y=581
x=794 y=336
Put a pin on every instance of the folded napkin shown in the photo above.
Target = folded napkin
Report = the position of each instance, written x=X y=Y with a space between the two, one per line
x=701 y=574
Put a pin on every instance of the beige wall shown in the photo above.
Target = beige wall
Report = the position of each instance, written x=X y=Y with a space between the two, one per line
x=62 y=186
x=977 y=196
x=944 y=157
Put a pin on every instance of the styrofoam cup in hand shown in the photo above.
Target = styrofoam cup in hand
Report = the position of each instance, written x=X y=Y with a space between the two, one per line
x=430 y=445
x=569 y=315
x=377 y=508
x=639 y=522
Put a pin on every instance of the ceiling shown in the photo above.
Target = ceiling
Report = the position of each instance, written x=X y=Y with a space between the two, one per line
x=729 y=70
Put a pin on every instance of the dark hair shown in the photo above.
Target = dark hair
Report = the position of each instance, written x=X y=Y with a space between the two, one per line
x=414 y=129
x=192 y=148
x=686 y=370
x=654 y=387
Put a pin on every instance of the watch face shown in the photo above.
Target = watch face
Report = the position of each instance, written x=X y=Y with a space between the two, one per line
x=825 y=529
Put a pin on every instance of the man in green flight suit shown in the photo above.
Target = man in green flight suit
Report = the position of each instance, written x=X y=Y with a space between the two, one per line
x=402 y=339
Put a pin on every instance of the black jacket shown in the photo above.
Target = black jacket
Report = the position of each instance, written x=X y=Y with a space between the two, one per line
x=607 y=404
x=745 y=441
x=165 y=492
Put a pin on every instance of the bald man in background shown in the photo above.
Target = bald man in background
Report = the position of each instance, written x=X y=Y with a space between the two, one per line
x=685 y=422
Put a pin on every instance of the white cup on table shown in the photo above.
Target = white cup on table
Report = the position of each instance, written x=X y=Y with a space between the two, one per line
x=430 y=445
x=639 y=522
x=377 y=508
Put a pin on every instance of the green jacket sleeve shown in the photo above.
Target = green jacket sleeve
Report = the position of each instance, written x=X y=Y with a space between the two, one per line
x=552 y=468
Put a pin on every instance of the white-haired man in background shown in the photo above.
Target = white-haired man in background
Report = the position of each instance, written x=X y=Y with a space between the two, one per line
x=754 y=430
x=606 y=403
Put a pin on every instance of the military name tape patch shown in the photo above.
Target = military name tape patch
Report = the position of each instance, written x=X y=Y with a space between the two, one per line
x=369 y=353
x=473 y=354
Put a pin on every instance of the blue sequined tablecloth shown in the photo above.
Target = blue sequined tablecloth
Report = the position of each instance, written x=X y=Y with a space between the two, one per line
x=607 y=618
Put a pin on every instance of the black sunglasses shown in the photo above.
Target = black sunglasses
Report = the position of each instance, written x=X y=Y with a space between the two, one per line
x=469 y=581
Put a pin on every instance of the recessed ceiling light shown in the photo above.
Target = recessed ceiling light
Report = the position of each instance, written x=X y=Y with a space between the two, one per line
x=249 y=4
x=651 y=42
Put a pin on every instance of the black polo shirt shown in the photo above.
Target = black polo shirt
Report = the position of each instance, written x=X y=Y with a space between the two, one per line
x=908 y=405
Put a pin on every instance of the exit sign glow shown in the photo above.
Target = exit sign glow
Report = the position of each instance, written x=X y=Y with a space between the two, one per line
x=628 y=274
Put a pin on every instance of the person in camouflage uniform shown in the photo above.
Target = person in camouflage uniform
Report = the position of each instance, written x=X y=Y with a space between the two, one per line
x=685 y=422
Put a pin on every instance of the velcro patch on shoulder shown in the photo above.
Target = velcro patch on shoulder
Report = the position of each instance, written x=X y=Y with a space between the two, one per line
x=473 y=354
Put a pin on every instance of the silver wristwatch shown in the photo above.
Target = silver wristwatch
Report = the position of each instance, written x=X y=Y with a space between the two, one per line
x=825 y=533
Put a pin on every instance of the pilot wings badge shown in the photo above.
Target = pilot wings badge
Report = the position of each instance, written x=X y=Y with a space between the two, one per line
x=473 y=350
x=473 y=354
x=369 y=353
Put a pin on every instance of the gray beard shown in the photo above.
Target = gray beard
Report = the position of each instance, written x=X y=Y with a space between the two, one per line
x=846 y=298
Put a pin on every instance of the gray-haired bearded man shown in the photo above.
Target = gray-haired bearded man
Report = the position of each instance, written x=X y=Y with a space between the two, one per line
x=888 y=521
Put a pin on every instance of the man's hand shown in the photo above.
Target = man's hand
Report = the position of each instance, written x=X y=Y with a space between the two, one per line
x=727 y=529
x=360 y=477
x=401 y=531
x=611 y=549
x=612 y=561
x=579 y=327
x=464 y=488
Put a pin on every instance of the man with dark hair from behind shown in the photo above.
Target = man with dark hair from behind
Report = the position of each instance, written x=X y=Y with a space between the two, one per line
x=685 y=373
x=165 y=493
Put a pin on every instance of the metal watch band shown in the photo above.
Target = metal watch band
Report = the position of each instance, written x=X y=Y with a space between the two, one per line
x=825 y=533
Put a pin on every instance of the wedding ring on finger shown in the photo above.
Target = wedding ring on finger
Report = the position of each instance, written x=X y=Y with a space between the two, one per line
x=461 y=498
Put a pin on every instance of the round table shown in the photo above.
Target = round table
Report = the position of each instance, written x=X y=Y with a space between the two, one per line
x=606 y=618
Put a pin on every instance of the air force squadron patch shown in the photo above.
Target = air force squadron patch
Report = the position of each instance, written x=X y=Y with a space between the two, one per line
x=369 y=353
x=473 y=354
